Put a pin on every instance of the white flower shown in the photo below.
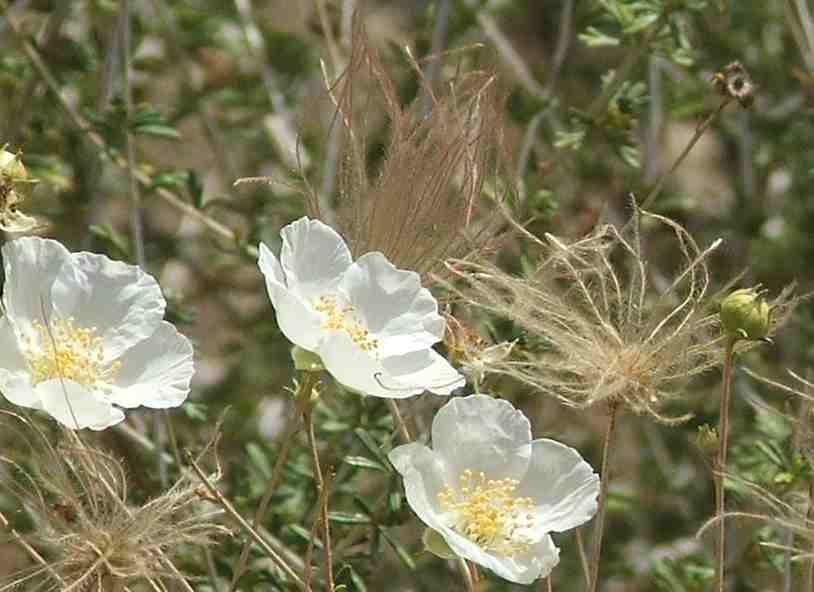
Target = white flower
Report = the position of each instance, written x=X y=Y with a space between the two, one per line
x=372 y=325
x=492 y=492
x=83 y=336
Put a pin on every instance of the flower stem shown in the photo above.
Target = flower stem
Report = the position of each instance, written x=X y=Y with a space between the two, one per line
x=720 y=465
x=808 y=582
x=322 y=496
x=302 y=400
x=466 y=574
x=404 y=432
x=599 y=527
x=244 y=525
x=699 y=131
x=583 y=559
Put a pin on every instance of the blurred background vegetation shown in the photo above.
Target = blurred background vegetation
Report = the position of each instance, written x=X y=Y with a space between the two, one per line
x=601 y=97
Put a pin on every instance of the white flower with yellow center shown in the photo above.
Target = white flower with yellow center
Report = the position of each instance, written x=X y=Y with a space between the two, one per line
x=83 y=337
x=372 y=325
x=492 y=492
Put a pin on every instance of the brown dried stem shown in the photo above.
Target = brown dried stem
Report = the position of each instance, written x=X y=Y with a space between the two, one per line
x=720 y=467
x=602 y=501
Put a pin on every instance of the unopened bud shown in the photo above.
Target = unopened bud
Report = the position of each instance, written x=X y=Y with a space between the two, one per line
x=707 y=439
x=745 y=315
x=305 y=360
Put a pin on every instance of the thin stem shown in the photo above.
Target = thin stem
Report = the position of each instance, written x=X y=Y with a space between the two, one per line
x=583 y=559
x=599 y=521
x=699 y=131
x=302 y=400
x=404 y=432
x=720 y=466
x=322 y=494
x=30 y=550
x=211 y=571
x=808 y=583
x=439 y=39
x=235 y=515
x=466 y=575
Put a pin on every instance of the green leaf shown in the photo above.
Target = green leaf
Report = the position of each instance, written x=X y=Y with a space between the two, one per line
x=259 y=459
x=402 y=553
x=112 y=239
x=349 y=518
x=162 y=131
x=593 y=37
x=195 y=411
x=368 y=442
x=304 y=534
x=365 y=463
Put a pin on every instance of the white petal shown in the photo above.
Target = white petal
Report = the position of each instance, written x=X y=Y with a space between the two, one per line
x=360 y=371
x=77 y=407
x=394 y=307
x=521 y=569
x=31 y=265
x=298 y=322
x=11 y=358
x=425 y=476
x=123 y=302
x=482 y=433
x=16 y=388
x=313 y=257
x=15 y=384
x=396 y=377
x=425 y=368
x=563 y=486
x=155 y=372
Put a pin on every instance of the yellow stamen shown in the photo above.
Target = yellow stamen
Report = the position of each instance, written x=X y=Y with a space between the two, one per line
x=63 y=350
x=486 y=512
x=343 y=319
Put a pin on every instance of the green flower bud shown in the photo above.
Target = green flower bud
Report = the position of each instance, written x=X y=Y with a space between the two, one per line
x=306 y=360
x=435 y=544
x=745 y=315
x=707 y=439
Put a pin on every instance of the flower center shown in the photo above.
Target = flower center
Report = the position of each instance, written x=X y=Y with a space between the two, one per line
x=63 y=350
x=487 y=512
x=343 y=318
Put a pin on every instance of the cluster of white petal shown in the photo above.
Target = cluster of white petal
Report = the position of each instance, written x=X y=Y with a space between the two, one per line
x=492 y=492
x=372 y=325
x=83 y=337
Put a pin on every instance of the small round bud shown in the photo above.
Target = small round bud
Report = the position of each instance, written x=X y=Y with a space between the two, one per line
x=706 y=438
x=435 y=544
x=745 y=315
x=305 y=360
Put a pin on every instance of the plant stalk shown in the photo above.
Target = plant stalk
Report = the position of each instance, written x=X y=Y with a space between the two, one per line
x=720 y=467
x=302 y=400
x=322 y=496
x=599 y=526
